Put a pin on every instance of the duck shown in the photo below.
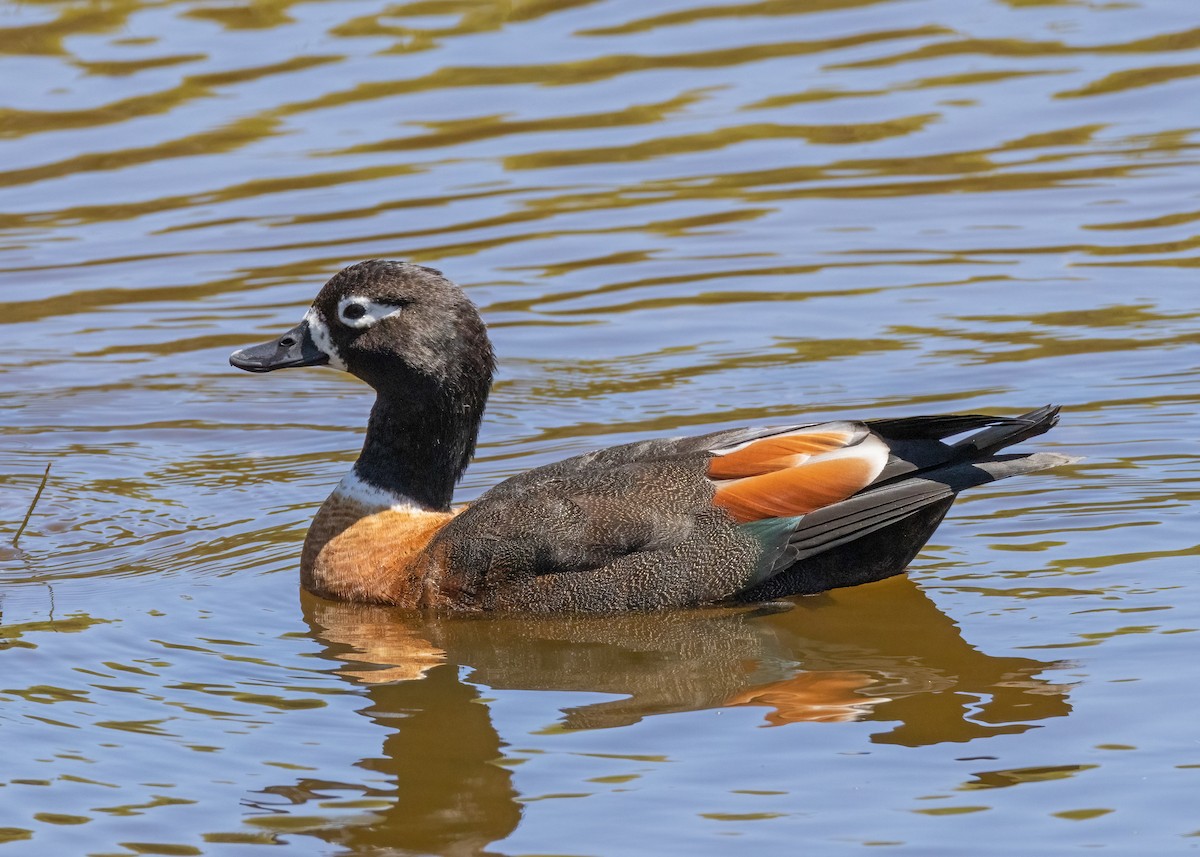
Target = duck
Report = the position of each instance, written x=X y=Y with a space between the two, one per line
x=736 y=516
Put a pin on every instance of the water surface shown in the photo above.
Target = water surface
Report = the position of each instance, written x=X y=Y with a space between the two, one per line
x=675 y=217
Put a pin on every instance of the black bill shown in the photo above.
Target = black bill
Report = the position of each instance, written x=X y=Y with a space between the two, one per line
x=294 y=348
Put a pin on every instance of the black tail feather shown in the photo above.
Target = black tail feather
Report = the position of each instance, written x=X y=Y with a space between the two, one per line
x=937 y=427
x=876 y=508
x=875 y=533
x=919 y=448
x=997 y=437
x=894 y=516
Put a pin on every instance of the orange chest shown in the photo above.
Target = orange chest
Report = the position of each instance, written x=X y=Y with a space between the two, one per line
x=352 y=553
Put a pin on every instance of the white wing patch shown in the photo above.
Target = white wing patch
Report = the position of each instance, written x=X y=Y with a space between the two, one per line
x=872 y=451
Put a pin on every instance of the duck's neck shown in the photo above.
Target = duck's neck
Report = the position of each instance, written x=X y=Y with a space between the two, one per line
x=415 y=451
x=366 y=542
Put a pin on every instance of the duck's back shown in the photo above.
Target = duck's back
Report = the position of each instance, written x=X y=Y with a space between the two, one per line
x=742 y=514
x=596 y=534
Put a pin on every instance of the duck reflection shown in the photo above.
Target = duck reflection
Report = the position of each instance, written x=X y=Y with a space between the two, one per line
x=881 y=653
x=927 y=682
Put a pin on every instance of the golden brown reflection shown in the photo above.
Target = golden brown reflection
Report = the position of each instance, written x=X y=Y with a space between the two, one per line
x=882 y=653
x=816 y=697
x=728 y=136
x=1180 y=41
x=691 y=16
x=46 y=38
x=1135 y=79
x=446 y=795
x=17 y=123
x=12 y=636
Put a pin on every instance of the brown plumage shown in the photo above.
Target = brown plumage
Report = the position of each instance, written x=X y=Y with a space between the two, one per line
x=736 y=515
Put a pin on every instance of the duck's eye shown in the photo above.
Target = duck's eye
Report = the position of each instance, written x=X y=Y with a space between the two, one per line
x=360 y=312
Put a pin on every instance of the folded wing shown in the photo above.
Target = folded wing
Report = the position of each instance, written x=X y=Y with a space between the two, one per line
x=796 y=472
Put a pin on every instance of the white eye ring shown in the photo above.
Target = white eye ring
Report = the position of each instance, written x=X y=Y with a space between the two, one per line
x=373 y=311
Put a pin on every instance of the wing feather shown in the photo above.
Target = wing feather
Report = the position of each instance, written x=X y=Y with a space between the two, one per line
x=811 y=483
x=776 y=453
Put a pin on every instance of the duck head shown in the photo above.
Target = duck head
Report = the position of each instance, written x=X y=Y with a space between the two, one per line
x=416 y=338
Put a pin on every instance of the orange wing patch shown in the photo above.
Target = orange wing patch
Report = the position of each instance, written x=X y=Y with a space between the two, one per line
x=797 y=489
x=776 y=453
